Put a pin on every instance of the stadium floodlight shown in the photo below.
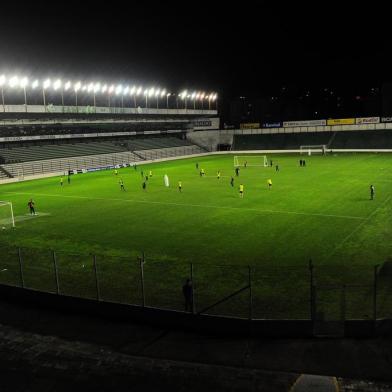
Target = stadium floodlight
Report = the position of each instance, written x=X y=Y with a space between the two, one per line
x=146 y=95
x=139 y=90
x=97 y=87
x=84 y=87
x=163 y=92
x=104 y=88
x=157 y=92
x=35 y=84
x=46 y=84
x=119 y=89
x=24 y=82
x=126 y=90
x=90 y=87
x=197 y=96
x=167 y=100
x=2 y=80
x=193 y=95
x=111 y=89
x=67 y=86
x=57 y=84
x=132 y=90
x=151 y=92
x=13 y=82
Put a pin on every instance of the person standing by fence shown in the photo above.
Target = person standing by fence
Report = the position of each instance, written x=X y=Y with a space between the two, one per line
x=187 y=291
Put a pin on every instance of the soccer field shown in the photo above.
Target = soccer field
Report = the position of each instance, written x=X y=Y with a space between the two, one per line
x=322 y=211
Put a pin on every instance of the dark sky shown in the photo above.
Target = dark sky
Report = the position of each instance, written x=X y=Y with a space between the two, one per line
x=241 y=48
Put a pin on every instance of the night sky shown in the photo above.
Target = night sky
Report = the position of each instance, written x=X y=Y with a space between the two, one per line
x=238 y=49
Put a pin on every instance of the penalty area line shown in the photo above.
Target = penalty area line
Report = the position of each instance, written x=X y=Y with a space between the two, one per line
x=197 y=205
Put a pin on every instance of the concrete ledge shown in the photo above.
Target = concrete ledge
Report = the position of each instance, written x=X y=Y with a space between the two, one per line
x=170 y=319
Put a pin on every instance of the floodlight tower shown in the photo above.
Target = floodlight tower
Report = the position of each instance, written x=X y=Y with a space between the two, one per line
x=23 y=83
x=96 y=88
x=77 y=87
x=157 y=92
x=58 y=85
x=167 y=100
x=2 y=83
x=110 y=92
x=45 y=86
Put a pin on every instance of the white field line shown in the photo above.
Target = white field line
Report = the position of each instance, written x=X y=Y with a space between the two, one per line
x=359 y=227
x=195 y=205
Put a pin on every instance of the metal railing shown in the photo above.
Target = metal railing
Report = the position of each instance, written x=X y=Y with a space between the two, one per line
x=324 y=293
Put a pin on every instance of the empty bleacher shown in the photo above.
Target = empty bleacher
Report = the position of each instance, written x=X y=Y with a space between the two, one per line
x=52 y=151
x=151 y=143
x=65 y=164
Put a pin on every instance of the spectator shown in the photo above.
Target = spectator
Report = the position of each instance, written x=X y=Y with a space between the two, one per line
x=187 y=291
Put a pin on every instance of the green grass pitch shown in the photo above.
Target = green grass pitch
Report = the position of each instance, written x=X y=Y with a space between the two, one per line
x=321 y=211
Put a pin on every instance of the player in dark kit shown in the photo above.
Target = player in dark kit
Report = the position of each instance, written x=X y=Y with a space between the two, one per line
x=121 y=182
x=277 y=168
x=197 y=165
x=31 y=207
x=237 y=171
x=144 y=186
x=232 y=181
x=371 y=192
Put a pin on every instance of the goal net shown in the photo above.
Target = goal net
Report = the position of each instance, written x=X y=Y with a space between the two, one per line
x=251 y=160
x=7 y=219
x=313 y=149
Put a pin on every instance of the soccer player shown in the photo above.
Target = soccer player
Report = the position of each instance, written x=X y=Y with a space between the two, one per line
x=134 y=166
x=241 y=191
x=218 y=174
x=116 y=172
x=237 y=171
x=146 y=178
x=69 y=179
x=277 y=168
x=142 y=174
x=180 y=186
x=269 y=182
x=61 y=181
x=121 y=182
x=271 y=162
x=202 y=172
x=232 y=182
x=144 y=185
x=371 y=192
x=245 y=164
x=150 y=174
x=197 y=165
x=31 y=207
x=304 y=163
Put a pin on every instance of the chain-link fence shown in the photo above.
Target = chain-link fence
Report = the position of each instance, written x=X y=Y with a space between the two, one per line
x=322 y=293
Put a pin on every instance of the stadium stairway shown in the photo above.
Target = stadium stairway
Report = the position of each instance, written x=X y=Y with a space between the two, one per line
x=4 y=173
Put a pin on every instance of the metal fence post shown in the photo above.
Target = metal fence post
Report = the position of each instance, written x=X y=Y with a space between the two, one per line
x=311 y=291
x=96 y=277
x=142 y=279
x=193 y=291
x=375 y=282
x=21 y=268
x=56 y=273
x=250 y=293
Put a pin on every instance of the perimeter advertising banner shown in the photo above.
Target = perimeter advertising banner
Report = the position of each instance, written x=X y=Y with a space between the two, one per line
x=307 y=123
x=250 y=126
x=276 y=124
x=341 y=121
x=367 y=120
x=386 y=119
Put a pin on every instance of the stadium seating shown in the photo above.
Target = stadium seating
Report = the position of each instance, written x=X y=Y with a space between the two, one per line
x=74 y=163
x=35 y=153
x=334 y=140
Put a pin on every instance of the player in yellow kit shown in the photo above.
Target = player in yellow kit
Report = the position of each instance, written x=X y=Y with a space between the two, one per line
x=269 y=182
x=241 y=191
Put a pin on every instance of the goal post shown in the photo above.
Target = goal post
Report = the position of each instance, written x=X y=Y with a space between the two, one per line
x=250 y=160
x=313 y=149
x=7 y=218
